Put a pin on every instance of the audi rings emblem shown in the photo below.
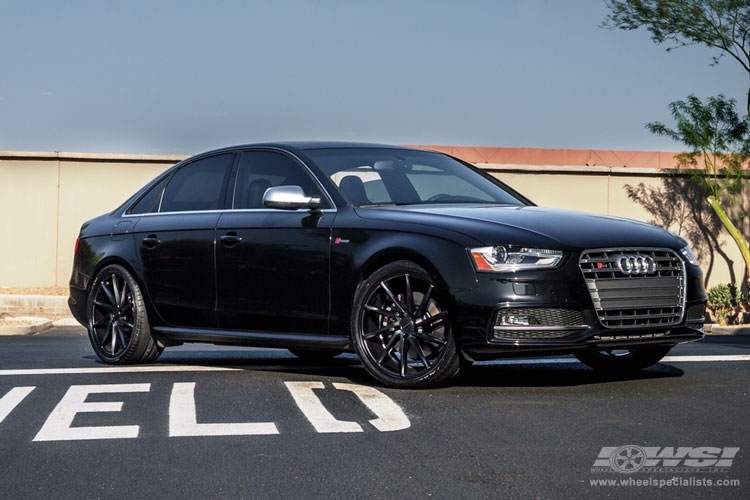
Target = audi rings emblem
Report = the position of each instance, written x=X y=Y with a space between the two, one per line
x=636 y=264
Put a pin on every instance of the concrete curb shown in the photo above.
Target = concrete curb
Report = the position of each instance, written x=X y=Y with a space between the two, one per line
x=33 y=313
x=713 y=329
x=24 y=325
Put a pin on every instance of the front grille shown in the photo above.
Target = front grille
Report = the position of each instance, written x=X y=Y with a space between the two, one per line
x=537 y=323
x=635 y=287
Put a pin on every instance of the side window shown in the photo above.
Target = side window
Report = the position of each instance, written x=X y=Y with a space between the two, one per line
x=363 y=186
x=199 y=185
x=149 y=202
x=260 y=170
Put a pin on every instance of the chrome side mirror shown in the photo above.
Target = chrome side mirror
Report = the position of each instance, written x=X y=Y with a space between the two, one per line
x=289 y=198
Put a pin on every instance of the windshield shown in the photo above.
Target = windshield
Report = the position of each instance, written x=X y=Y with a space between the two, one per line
x=372 y=176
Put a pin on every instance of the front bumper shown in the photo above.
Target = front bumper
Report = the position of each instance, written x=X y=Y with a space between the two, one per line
x=552 y=312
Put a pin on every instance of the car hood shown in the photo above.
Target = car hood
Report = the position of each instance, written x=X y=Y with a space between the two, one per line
x=531 y=225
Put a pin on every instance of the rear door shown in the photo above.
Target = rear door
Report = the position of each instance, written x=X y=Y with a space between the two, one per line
x=175 y=245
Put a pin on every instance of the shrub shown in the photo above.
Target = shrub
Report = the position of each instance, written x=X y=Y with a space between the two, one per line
x=725 y=299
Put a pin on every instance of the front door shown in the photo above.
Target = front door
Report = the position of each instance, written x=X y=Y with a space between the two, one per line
x=272 y=266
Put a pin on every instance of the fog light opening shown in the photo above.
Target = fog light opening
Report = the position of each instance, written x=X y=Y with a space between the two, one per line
x=516 y=320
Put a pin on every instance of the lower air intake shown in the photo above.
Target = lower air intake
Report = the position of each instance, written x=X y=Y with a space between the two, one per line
x=533 y=323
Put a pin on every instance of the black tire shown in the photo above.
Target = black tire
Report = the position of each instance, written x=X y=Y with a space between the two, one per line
x=314 y=355
x=118 y=324
x=623 y=360
x=401 y=329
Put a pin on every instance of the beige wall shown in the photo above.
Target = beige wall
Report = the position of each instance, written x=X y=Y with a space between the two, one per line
x=589 y=189
x=44 y=198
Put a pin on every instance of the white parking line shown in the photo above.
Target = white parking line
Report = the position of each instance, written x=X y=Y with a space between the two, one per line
x=119 y=369
x=710 y=358
x=667 y=359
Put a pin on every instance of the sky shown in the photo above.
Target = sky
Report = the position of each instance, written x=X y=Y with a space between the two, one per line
x=184 y=76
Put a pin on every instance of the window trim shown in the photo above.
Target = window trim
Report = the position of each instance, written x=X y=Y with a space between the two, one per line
x=325 y=196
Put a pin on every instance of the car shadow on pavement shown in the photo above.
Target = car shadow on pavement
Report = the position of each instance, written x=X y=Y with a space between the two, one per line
x=569 y=374
x=740 y=341
x=280 y=361
x=500 y=373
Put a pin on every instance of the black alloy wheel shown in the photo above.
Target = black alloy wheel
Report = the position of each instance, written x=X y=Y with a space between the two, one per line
x=401 y=328
x=118 y=324
x=632 y=359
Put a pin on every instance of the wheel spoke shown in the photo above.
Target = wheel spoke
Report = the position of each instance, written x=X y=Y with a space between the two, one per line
x=431 y=319
x=115 y=290
x=393 y=298
x=380 y=331
x=120 y=335
x=113 y=337
x=123 y=295
x=420 y=352
x=102 y=334
x=101 y=322
x=126 y=308
x=425 y=302
x=108 y=293
x=107 y=307
x=404 y=356
x=429 y=338
x=408 y=295
x=387 y=349
x=383 y=312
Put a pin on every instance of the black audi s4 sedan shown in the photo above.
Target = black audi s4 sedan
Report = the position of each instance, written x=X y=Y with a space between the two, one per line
x=416 y=261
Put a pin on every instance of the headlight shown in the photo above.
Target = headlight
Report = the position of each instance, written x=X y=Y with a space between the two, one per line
x=689 y=255
x=508 y=259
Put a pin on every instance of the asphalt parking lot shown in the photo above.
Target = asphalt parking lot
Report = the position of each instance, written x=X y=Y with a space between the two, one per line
x=219 y=422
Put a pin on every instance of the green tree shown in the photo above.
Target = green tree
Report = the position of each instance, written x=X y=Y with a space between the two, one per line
x=719 y=24
x=719 y=156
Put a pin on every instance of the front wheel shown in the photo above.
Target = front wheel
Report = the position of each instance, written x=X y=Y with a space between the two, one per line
x=118 y=324
x=623 y=360
x=401 y=328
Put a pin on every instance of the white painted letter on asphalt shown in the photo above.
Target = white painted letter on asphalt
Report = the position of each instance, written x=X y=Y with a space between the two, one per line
x=13 y=399
x=183 y=419
x=390 y=416
x=58 y=424
x=313 y=408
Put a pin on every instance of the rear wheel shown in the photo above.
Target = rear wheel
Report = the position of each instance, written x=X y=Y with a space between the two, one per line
x=401 y=328
x=632 y=359
x=118 y=324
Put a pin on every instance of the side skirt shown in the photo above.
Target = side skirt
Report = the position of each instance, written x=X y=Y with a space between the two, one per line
x=282 y=340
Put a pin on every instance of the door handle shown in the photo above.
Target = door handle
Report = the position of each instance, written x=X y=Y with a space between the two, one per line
x=230 y=239
x=151 y=241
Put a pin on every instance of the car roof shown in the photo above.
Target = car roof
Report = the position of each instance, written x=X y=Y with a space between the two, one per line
x=311 y=145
